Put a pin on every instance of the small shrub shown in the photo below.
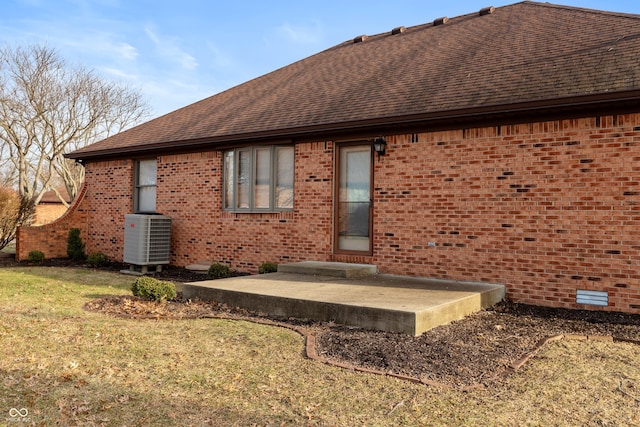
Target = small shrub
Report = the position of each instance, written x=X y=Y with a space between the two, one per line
x=75 y=246
x=268 y=267
x=35 y=256
x=219 y=271
x=97 y=259
x=153 y=289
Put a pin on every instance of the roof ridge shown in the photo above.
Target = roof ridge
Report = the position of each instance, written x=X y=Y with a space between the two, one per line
x=435 y=22
x=576 y=8
x=447 y=20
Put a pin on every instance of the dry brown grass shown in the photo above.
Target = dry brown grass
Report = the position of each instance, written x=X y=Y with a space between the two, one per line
x=67 y=367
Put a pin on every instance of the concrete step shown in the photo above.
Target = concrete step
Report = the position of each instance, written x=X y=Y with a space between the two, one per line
x=199 y=267
x=332 y=269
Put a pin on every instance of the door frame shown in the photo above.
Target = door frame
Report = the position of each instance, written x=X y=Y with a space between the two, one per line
x=336 y=190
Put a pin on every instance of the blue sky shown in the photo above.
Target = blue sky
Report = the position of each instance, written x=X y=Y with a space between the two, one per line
x=180 y=51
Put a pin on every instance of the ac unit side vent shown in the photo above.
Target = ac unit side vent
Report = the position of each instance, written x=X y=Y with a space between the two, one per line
x=600 y=298
x=147 y=239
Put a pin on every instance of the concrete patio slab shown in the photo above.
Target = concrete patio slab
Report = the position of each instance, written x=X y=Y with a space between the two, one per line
x=382 y=302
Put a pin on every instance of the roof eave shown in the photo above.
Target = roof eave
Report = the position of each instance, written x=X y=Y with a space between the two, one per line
x=512 y=112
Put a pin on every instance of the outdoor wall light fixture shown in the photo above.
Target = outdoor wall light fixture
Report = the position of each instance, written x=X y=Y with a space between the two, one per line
x=380 y=146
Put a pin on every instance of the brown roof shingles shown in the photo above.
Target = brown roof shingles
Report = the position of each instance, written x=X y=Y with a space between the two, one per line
x=522 y=53
x=51 y=197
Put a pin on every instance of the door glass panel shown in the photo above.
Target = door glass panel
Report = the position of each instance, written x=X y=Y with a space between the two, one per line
x=354 y=198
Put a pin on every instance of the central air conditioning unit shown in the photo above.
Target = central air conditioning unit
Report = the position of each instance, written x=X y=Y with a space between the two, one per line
x=147 y=240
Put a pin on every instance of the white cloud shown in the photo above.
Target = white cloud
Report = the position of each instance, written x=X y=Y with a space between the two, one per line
x=218 y=57
x=103 y=45
x=171 y=94
x=168 y=48
x=152 y=35
x=127 y=51
x=189 y=87
x=120 y=74
x=301 y=34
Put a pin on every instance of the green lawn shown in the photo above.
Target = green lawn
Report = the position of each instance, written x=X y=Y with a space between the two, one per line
x=70 y=367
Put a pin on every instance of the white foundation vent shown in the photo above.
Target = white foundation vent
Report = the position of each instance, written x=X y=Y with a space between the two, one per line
x=147 y=239
x=600 y=298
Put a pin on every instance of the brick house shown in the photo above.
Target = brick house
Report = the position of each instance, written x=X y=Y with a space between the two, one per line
x=51 y=207
x=512 y=156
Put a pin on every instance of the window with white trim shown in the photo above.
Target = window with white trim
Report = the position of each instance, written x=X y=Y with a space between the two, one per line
x=144 y=190
x=258 y=179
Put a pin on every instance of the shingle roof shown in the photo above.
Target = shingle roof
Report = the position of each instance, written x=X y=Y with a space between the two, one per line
x=50 y=197
x=523 y=56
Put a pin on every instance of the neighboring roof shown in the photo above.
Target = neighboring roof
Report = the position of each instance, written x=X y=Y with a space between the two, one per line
x=50 y=197
x=527 y=57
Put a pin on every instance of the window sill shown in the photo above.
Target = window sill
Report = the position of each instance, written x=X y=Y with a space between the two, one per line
x=288 y=214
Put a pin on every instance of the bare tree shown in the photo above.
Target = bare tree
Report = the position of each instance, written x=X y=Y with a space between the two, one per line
x=7 y=171
x=48 y=108
x=15 y=210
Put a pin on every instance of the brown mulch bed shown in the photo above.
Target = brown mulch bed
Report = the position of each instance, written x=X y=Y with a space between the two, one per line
x=476 y=350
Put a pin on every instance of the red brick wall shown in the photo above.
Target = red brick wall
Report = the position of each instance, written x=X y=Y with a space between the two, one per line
x=189 y=191
x=98 y=212
x=51 y=239
x=544 y=208
x=108 y=200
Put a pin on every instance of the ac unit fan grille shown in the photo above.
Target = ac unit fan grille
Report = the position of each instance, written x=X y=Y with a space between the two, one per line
x=147 y=239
